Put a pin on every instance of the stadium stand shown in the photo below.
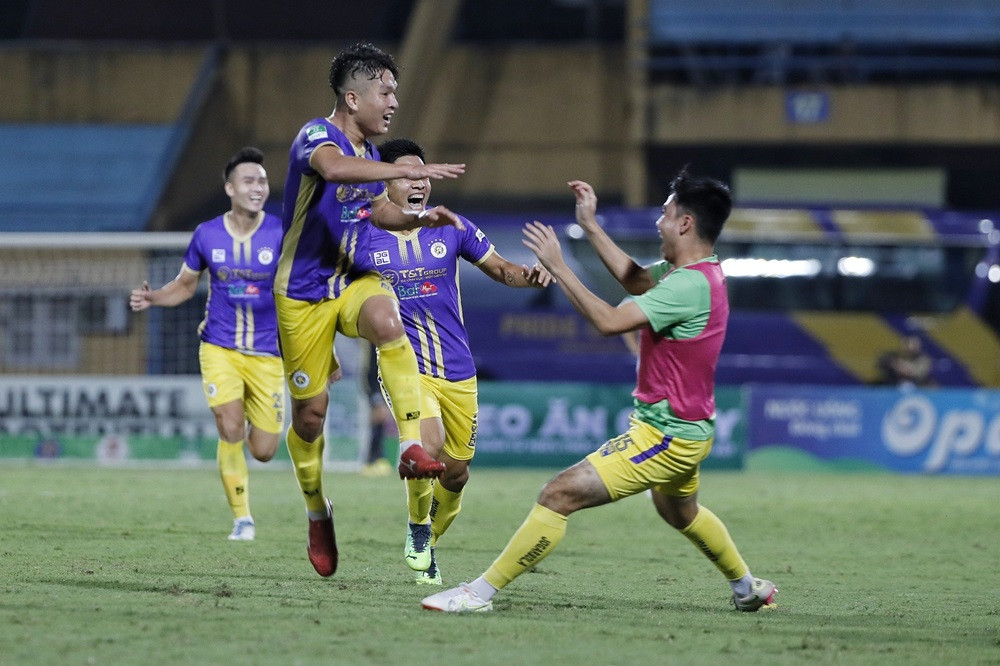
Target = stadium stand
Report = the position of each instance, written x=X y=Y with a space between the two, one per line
x=56 y=177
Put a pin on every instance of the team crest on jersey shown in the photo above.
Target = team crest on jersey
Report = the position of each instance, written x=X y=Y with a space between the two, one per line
x=265 y=255
x=381 y=257
x=316 y=132
x=480 y=236
x=438 y=249
x=300 y=379
x=218 y=254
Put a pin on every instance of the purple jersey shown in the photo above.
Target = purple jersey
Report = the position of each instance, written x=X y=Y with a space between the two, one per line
x=422 y=267
x=326 y=224
x=239 y=313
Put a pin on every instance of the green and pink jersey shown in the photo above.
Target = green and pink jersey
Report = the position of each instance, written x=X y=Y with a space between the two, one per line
x=687 y=310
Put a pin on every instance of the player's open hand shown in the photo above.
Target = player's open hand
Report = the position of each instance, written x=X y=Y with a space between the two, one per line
x=586 y=203
x=436 y=171
x=542 y=240
x=439 y=216
x=537 y=276
x=141 y=298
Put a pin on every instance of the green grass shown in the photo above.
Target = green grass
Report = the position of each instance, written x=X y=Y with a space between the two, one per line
x=102 y=566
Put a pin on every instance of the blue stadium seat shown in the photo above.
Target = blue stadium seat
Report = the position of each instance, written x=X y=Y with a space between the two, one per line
x=56 y=177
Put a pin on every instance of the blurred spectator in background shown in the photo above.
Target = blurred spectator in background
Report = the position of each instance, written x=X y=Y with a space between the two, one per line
x=908 y=366
x=380 y=418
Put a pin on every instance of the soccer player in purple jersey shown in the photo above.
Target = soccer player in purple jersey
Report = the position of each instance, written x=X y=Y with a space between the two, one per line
x=680 y=307
x=422 y=266
x=240 y=367
x=334 y=197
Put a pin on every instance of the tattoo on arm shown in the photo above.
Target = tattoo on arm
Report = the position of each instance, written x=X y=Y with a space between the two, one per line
x=509 y=277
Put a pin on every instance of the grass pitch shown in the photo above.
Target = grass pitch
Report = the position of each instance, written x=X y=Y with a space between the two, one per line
x=126 y=566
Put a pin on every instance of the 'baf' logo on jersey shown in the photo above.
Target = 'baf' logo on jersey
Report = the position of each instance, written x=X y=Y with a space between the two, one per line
x=352 y=214
x=244 y=291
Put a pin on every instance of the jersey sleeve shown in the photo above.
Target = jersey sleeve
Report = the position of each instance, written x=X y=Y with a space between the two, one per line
x=314 y=134
x=194 y=257
x=474 y=245
x=679 y=297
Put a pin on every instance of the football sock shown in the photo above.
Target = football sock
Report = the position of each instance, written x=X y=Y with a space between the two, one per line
x=397 y=365
x=482 y=587
x=235 y=478
x=537 y=536
x=418 y=500
x=712 y=538
x=307 y=460
x=445 y=506
x=741 y=587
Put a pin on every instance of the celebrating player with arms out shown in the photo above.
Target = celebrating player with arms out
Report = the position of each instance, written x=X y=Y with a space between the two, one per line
x=680 y=307
x=240 y=367
x=422 y=264
x=334 y=193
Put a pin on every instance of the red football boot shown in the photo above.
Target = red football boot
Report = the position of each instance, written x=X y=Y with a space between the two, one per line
x=415 y=463
x=322 y=546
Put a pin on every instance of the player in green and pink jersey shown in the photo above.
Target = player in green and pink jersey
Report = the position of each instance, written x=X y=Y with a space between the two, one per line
x=680 y=307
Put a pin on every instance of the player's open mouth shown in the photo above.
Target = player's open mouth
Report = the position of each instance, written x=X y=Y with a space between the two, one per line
x=415 y=200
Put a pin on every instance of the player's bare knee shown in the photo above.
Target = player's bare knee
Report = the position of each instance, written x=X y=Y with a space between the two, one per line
x=559 y=497
x=307 y=420
x=263 y=449
x=455 y=478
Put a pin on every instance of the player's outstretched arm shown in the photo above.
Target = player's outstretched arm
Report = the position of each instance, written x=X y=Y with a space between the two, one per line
x=175 y=292
x=512 y=275
x=330 y=163
x=389 y=216
x=634 y=278
x=607 y=319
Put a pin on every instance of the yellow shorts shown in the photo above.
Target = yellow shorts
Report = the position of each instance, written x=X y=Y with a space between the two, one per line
x=307 y=331
x=645 y=458
x=228 y=376
x=457 y=405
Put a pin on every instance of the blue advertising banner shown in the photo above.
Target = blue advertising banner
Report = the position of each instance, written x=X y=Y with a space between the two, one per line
x=947 y=431
x=555 y=424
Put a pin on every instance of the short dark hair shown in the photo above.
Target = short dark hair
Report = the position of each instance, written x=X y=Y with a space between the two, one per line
x=391 y=150
x=362 y=59
x=706 y=199
x=248 y=154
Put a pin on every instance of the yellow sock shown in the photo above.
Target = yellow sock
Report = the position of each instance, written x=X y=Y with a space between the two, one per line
x=235 y=478
x=537 y=536
x=307 y=460
x=418 y=500
x=444 y=508
x=712 y=538
x=397 y=365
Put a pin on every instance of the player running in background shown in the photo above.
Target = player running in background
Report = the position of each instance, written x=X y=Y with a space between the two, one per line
x=680 y=307
x=334 y=194
x=422 y=265
x=240 y=367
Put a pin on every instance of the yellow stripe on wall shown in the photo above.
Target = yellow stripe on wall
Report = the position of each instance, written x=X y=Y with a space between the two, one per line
x=854 y=340
x=969 y=341
x=868 y=224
